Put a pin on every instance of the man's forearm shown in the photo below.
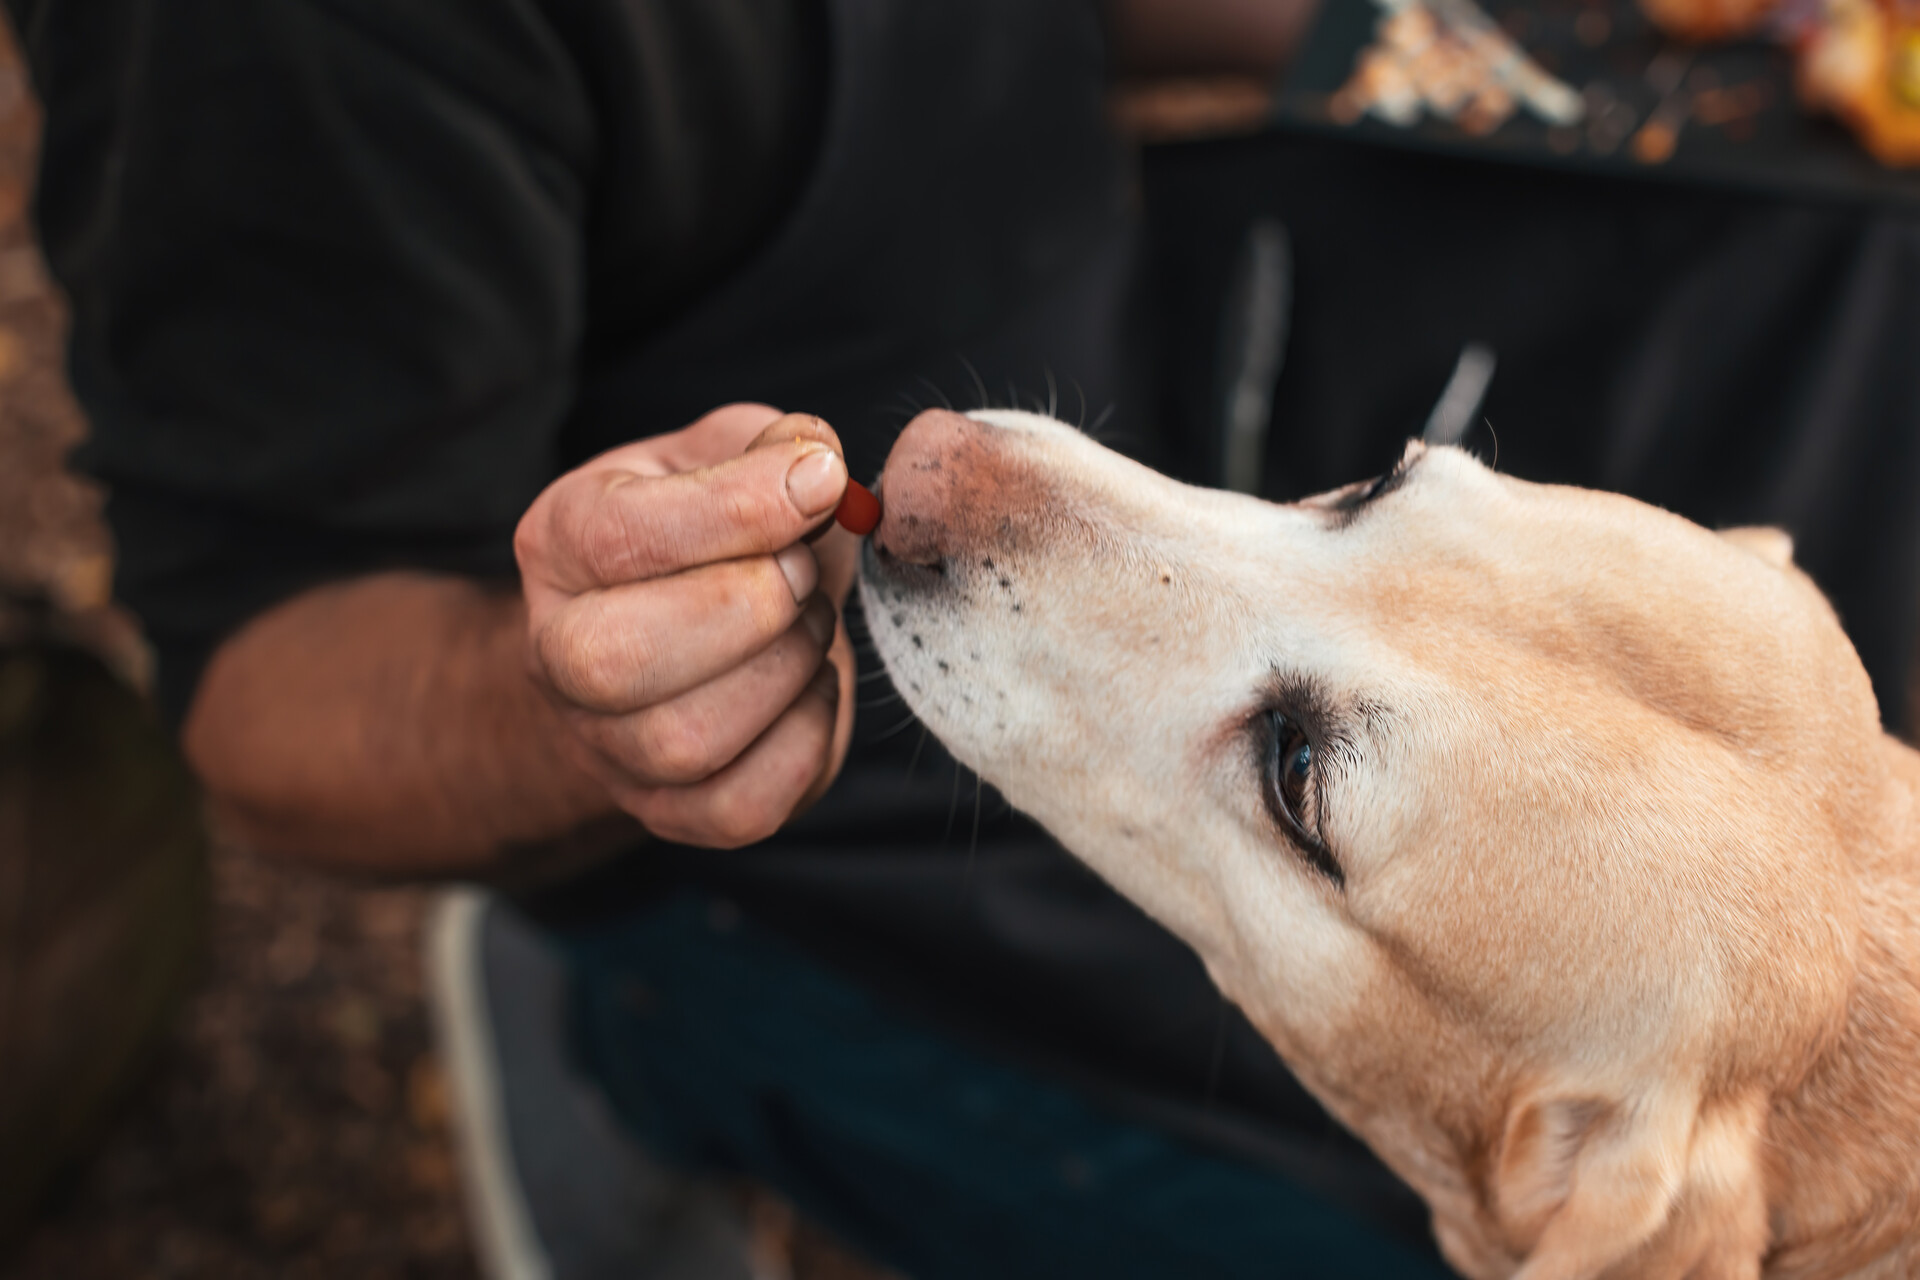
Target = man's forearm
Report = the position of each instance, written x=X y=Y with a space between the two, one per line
x=388 y=725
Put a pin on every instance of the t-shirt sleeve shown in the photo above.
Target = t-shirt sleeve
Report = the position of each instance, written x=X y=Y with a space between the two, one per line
x=325 y=266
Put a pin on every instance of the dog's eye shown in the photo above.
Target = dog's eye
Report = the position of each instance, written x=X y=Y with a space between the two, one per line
x=1291 y=791
x=1289 y=773
x=1296 y=770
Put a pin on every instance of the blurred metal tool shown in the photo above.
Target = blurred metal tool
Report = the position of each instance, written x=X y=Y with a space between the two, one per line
x=1466 y=390
x=1253 y=348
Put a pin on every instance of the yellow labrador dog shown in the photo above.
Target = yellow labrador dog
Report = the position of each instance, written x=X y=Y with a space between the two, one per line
x=1552 y=839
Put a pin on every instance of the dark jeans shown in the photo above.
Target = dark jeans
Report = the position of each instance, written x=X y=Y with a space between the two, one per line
x=726 y=1049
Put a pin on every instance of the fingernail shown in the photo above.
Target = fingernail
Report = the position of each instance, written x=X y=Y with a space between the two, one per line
x=801 y=570
x=826 y=683
x=819 y=620
x=816 y=482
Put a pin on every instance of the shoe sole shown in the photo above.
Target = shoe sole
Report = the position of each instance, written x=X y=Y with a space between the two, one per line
x=505 y=1243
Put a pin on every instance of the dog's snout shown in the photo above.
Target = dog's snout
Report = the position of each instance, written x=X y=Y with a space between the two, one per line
x=951 y=488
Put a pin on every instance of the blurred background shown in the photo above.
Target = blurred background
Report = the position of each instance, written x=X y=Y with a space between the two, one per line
x=288 y=1118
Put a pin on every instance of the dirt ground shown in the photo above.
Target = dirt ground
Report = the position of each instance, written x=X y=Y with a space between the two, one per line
x=296 y=1124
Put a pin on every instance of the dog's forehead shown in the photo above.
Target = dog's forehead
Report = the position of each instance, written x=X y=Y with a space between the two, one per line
x=1463 y=571
x=1449 y=507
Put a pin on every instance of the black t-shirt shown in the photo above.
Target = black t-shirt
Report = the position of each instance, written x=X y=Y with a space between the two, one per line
x=339 y=266
x=353 y=281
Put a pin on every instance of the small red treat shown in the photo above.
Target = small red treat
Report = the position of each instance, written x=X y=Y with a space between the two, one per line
x=859 y=509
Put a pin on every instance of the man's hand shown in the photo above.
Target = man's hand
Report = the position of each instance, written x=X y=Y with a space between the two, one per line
x=689 y=637
x=675 y=628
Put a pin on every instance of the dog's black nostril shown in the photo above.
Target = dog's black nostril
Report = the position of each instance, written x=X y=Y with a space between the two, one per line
x=902 y=571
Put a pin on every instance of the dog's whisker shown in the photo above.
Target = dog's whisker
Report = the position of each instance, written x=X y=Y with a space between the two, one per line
x=874 y=704
x=979 y=384
x=896 y=729
x=1100 y=421
x=1053 y=394
x=879 y=673
x=918 y=747
x=953 y=806
x=932 y=386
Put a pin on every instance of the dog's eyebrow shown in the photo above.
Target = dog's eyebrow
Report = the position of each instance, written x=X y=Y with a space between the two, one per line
x=1348 y=506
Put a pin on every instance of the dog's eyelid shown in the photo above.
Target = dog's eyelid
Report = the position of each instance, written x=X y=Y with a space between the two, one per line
x=1347 y=509
x=1401 y=471
x=1288 y=720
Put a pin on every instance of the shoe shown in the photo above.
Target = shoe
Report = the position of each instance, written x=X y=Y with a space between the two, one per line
x=554 y=1189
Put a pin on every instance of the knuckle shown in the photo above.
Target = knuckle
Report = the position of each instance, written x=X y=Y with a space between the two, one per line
x=767 y=599
x=526 y=537
x=734 y=826
x=554 y=657
x=607 y=543
x=680 y=748
x=581 y=678
x=593 y=528
x=588 y=664
x=571 y=503
x=760 y=507
x=660 y=814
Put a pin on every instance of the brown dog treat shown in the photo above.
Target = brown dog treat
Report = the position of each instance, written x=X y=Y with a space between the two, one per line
x=859 y=510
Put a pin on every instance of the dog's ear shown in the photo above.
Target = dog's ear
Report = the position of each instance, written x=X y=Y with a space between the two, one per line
x=1775 y=546
x=1583 y=1184
x=1538 y=1154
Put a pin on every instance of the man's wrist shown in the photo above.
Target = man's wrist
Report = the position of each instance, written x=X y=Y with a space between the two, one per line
x=576 y=801
x=390 y=725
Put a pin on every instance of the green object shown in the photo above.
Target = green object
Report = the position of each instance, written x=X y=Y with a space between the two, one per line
x=103 y=905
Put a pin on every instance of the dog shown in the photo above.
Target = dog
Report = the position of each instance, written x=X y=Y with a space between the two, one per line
x=1551 y=839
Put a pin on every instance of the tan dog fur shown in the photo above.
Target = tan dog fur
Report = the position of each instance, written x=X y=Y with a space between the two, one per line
x=1624 y=976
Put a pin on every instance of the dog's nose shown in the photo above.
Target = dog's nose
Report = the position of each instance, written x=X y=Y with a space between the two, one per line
x=943 y=481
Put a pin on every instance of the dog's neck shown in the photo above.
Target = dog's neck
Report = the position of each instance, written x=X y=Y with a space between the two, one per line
x=1844 y=1147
